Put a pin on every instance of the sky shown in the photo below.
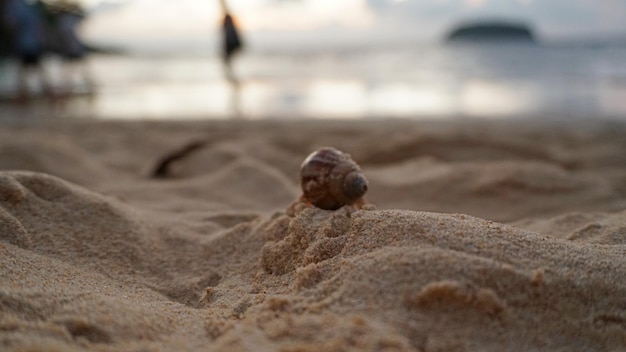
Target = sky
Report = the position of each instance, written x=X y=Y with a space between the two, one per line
x=337 y=22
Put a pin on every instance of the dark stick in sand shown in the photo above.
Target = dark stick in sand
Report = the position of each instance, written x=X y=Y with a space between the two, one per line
x=162 y=169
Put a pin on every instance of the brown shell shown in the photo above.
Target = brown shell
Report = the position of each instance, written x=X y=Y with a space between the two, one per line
x=330 y=179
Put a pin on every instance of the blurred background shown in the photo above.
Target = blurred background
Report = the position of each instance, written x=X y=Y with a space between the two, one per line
x=163 y=59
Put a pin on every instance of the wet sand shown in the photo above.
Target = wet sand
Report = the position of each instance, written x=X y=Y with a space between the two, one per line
x=486 y=236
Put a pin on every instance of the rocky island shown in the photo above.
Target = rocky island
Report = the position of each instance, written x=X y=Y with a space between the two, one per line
x=491 y=32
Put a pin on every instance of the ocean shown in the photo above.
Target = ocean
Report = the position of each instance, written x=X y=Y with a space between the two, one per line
x=424 y=81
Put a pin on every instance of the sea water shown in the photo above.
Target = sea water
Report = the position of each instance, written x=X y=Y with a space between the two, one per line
x=424 y=81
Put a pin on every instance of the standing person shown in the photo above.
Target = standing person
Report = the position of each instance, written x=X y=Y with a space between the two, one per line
x=231 y=39
x=26 y=23
x=231 y=44
x=6 y=44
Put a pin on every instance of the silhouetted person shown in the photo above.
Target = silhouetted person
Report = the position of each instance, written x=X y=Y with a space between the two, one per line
x=26 y=24
x=231 y=40
x=231 y=44
x=6 y=41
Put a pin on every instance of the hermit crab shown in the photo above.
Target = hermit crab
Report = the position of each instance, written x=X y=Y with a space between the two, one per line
x=329 y=180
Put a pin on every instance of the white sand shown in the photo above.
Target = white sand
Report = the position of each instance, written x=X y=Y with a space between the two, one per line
x=95 y=255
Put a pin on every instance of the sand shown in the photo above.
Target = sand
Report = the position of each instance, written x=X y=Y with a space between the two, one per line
x=485 y=236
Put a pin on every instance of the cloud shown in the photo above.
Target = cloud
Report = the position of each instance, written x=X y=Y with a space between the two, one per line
x=475 y=3
x=307 y=15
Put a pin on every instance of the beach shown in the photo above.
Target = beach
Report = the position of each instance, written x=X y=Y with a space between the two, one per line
x=480 y=235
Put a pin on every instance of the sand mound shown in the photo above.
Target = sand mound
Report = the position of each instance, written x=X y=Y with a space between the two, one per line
x=54 y=156
x=221 y=154
x=600 y=228
x=436 y=278
x=527 y=188
x=96 y=271
x=243 y=184
x=64 y=221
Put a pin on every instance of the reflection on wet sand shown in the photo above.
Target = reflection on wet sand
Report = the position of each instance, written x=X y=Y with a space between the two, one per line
x=433 y=82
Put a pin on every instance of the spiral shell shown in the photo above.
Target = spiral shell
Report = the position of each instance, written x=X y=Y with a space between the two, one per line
x=330 y=179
